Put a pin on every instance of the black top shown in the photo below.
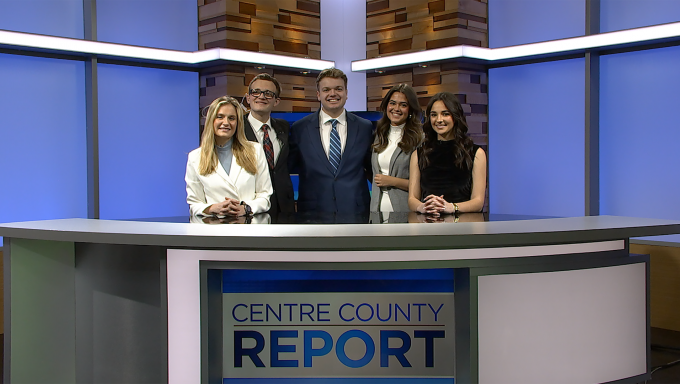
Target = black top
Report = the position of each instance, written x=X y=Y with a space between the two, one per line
x=443 y=177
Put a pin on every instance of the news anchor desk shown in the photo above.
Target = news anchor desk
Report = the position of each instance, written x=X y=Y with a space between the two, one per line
x=524 y=301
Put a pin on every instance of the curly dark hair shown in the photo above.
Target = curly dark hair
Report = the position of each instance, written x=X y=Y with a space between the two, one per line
x=413 y=131
x=463 y=143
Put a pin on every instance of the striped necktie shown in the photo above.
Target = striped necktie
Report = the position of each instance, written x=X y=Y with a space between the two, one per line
x=334 y=154
x=268 y=146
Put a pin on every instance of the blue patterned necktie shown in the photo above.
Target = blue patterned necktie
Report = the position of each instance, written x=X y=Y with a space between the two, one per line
x=335 y=147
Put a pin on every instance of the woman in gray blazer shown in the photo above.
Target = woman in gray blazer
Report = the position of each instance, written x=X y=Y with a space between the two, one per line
x=399 y=132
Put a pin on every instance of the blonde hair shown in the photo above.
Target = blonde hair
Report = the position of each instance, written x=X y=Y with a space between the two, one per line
x=243 y=150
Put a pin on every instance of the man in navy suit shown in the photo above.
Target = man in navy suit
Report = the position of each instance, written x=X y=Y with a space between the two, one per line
x=331 y=151
x=264 y=94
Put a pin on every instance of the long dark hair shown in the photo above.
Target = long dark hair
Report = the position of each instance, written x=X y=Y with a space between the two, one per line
x=413 y=131
x=463 y=144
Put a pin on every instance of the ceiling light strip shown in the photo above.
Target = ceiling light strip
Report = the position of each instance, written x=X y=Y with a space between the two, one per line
x=603 y=40
x=77 y=46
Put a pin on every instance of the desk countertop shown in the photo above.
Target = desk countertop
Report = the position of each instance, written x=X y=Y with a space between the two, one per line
x=343 y=236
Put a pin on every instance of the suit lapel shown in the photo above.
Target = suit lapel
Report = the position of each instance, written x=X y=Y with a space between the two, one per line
x=314 y=133
x=351 y=138
x=248 y=129
x=393 y=160
x=234 y=173
x=231 y=178
x=279 y=134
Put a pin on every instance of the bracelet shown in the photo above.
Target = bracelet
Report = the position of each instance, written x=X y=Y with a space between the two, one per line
x=246 y=207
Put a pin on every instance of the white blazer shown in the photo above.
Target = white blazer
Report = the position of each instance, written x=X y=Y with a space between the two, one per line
x=203 y=191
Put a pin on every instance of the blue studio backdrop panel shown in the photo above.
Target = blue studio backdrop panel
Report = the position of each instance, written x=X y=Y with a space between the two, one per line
x=536 y=139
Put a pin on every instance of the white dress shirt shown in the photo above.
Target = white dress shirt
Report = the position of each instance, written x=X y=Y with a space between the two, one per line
x=325 y=127
x=259 y=133
x=384 y=157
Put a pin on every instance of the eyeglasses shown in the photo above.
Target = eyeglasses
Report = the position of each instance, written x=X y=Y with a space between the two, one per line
x=257 y=92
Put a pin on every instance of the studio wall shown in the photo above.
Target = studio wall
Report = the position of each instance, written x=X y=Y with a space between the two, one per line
x=536 y=139
x=147 y=127
x=62 y=18
x=147 y=117
x=625 y=14
x=42 y=130
x=169 y=24
x=639 y=132
x=534 y=105
x=515 y=22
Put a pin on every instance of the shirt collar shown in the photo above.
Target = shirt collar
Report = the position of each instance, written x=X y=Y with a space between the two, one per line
x=257 y=124
x=342 y=119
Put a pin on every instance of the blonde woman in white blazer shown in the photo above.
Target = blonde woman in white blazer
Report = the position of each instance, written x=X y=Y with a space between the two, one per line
x=211 y=190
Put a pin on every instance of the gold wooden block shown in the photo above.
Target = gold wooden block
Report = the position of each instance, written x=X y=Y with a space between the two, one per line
x=389 y=35
x=471 y=7
x=211 y=10
x=236 y=25
x=449 y=23
x=664 y=284
x=375 y=92
x=477 y=98
x=267 y=15
x=470 y=34
x=389 y=79
x=373 y=106
x=230 y=80
x=306 y=21
x=474 y=127
x=295 y=36
x=261 y=28
x=379 y=21
x=422 y=26
x=207 y=28
x=212 y=93
x=477 y=118
x=294 y=80
x=478 y=25
x=417 y=11
x=215 y=36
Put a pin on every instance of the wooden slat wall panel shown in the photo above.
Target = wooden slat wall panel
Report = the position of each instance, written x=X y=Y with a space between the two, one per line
x=285 y=27
x=294 y=23
x=429 y=25
x=298 y=91
x=402 y=26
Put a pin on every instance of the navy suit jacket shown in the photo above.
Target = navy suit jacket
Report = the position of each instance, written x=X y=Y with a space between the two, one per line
x=320 y=189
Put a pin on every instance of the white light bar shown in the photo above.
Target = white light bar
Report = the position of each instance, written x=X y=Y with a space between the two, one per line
x=271 y=59
x=121 y=51
x=602 y=40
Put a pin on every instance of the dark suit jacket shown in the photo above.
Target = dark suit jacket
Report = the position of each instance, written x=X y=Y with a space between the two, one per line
x=320 y=189
x=283 y=199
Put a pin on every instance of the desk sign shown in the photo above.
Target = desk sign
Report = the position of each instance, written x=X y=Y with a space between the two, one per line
x=338 y=335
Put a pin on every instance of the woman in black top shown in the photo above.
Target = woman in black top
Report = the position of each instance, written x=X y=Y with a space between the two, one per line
x=448 y=172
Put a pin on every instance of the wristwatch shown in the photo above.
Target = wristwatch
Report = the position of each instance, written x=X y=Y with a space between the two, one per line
x=246 y=207
x=455 y=208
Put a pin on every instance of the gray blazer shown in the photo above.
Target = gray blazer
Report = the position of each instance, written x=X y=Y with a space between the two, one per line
x=399 y=167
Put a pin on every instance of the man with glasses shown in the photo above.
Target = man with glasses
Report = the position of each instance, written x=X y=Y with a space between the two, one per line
x=330 y=149
x=263 y=96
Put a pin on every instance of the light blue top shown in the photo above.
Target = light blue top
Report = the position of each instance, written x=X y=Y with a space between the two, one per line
x=224 y=154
